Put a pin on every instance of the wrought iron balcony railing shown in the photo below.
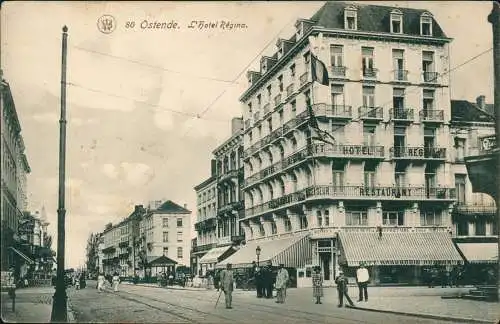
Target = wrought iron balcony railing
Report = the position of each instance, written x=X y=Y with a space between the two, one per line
x=338 y=71
x=204 y=247
x=370 y=112
x=430 y=77
x=402 y=114
x=334 y=111
x=370 y=73
x=432 y=115
x=401 y=75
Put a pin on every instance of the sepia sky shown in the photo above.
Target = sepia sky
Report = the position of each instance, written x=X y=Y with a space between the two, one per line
x=125 y=145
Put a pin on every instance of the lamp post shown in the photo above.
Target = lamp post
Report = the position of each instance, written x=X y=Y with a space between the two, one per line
x=59 y=306
x=257 y=252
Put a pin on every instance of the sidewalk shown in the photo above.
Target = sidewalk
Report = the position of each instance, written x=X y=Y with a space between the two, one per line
x=427 y=303
x=33 y=305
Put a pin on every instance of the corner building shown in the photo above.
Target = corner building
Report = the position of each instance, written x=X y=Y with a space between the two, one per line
x=382 y=193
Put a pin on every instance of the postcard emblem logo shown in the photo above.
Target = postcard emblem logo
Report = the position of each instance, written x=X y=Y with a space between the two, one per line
x=106 y=24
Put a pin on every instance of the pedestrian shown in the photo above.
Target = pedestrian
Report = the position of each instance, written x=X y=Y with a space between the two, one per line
x=258 y=282
x=77 y=282
x=267 y=274
x=227 y=284
x=362 y=279
x=317 y=281
x=116 y=281
x=342 y=289
x=100 y=282
x=281 y=284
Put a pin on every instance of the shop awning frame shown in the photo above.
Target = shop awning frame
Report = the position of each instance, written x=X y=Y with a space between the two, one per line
x=398 y=249
x=22 y=255
x=214 y=255
x=479 y=253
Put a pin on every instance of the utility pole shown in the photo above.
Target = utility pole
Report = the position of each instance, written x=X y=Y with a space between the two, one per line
x=59 y=305
x=494 y=19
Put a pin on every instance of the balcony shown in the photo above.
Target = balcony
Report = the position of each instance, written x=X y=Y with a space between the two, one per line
x=430 y=77
x=489 y=210
x=402 y=115
x=208 y=223
x=379 y=193
x=230 y=207
x=289 y=90
x=204 y=248
x=348 y=151
x=338 y=71
x=333 y=111
x=230 y=174
x=371 y=113
x=298 y=120
x=432 y=116
x=277 y=100
x=418 y=153
x=370 y=73
x=123 y=244
x=304 y=78
x=230 y=239
x=109 y=249
x=401 y=75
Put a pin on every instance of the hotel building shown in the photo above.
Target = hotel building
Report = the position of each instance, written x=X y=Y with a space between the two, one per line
x=383 y=192
x=475 y=226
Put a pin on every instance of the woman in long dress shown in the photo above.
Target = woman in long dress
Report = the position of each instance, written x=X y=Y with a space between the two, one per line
x=100 y=282
x=317 y=281
x=116 y=281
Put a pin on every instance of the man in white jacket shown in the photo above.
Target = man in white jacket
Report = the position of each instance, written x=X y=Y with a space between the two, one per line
x=362 y=278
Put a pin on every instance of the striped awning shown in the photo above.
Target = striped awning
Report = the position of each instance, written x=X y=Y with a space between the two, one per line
x=398 y=248
x=293 y=252
x=479 y=252
x=22 y=255
x=214 y=254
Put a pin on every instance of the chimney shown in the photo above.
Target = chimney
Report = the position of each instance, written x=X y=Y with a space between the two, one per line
x=481 y=102
x=213 y=167
x=236 y=125
x=185 y=206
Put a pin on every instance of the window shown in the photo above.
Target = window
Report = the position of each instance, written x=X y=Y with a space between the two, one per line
x=165 y=251
x=398 y=103
x=338 y=132
x=250 y=137
x=288 y=225
x=249 y=107
x=280 y=83
x=270 y=124
x=369 y=135
x=399 y=141
x=327 y=217
x=430 y=218
x=400 y=175
x=426 y=25
x=292 y=71
x=338 y=170
x=428 y=101
x=303 y=221
x=368 y=66
x=269 y=92
x=281 y=118
x=429 y=141
x=369 y=174
x=307 y=61
x=430 y=180
x=462 y=227
x=179 y=253
x=459 y=149
x=393 y=218
x=369 y=97
x=319 y=218
x=259 y=100
x=165 y=237
x=460 y=188
x=271 y=192
x=396 y=22
x=179 y=222
x=350 y=18
x=399 y=64
x=338 y=99
x=282 y=187
x=480 y=227
x=307 y=96
x=293 y=109
x=261 y=230
x=428 y=66
x=282 y=152
x=336 y=56
x=356 y=218
x=274 y=228
x=259 y=131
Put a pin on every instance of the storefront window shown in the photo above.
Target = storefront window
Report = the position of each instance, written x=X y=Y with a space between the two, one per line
x=462 y=228
x=480 y=228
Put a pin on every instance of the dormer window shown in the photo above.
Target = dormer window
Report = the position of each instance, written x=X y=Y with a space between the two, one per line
x=264 y=66
x=396 y=22
x=280 y=50
x=351 y=18
x=426 y=24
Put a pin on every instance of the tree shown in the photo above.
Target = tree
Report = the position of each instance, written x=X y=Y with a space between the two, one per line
x=93 y=253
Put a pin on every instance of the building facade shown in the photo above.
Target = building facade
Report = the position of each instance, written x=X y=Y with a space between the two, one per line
x=206 y=219
x=15 y=168
x=383 y=174
x=474 y=216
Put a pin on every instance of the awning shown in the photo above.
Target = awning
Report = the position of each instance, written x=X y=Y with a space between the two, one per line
x=398 y=248
x=21 y=254
x=479 y=252
x=214 y=255
x=293 y=252
x=160 y=261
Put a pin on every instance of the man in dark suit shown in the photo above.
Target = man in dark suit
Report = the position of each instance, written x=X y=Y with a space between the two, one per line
x=342 y=283
x=267 y=274
x=258 y=282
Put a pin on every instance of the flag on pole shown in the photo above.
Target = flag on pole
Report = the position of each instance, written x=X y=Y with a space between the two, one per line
x=322 y=135
x=319 y=72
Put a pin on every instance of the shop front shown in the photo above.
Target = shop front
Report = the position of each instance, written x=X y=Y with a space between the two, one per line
x=398 y=258
x=213 y=256
x=481 y=262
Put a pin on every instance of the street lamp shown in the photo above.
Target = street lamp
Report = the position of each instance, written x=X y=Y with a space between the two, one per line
x=257 y=252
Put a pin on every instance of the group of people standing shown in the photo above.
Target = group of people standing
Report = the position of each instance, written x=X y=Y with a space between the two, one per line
x=114 y=281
